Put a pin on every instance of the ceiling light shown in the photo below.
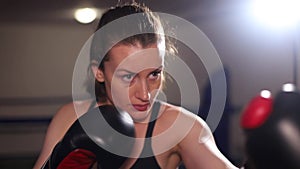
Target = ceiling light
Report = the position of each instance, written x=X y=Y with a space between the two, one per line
x=288 y=87
x=85 y=15
x=265 y=94
x=277 y=13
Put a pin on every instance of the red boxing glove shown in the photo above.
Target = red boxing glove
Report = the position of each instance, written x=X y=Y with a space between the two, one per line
x=272 y=130
x=79 y=159
x=91 y=139
x=257 y=111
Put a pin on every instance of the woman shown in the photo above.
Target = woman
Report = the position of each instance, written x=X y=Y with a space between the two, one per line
x=129 y=76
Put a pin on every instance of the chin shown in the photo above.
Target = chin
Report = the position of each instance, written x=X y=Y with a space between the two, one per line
x=139 y=116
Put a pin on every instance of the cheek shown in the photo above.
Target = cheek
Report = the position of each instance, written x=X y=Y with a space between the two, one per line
x=155 y=87
x=119 y=93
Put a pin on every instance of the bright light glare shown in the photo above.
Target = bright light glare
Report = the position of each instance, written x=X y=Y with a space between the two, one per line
x=265 y=94
x=277 y=13
x=289 y=87
x=85 y=15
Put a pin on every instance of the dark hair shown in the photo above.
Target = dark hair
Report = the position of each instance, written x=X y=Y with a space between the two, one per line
x=146 y=22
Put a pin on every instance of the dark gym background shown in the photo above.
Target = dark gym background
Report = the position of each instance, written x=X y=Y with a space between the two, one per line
x=40 y=41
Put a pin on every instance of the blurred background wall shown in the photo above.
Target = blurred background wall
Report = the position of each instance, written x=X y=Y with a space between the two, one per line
x=40 y=42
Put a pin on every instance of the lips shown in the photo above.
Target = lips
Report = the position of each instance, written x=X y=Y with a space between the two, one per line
x=141 y=107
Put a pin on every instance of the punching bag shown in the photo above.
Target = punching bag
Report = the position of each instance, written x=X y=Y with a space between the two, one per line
x=272 y=129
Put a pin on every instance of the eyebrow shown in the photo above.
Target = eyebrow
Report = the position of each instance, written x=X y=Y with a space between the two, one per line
x=131 y=72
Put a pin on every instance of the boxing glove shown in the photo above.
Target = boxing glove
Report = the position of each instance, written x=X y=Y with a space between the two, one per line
x=275 y=142
x=257 y=111
x=103 y=135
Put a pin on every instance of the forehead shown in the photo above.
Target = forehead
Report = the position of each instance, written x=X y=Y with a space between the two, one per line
x=135 y=57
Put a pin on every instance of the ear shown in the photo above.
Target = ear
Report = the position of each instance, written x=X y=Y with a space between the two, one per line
x=98 y=74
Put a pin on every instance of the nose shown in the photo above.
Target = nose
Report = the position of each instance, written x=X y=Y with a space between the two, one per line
x=142 y=90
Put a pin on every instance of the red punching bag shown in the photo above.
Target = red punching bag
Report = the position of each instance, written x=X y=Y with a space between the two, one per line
x=272 y=128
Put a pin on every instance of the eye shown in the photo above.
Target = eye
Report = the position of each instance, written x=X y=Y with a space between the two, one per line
x=128 y=77
x=155 y=74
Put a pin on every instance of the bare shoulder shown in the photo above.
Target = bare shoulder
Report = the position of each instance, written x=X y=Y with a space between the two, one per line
x=192 y=139
x=196 y=144
x=181 y=122
x=73 y=109
x=60 y=123
x=182 y=114
x=65 y=112
x=68 y=113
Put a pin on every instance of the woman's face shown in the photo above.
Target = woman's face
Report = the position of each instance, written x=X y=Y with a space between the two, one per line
x=133 y=77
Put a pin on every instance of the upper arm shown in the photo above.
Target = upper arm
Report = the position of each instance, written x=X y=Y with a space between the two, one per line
x=198 y=149
x=57 y=128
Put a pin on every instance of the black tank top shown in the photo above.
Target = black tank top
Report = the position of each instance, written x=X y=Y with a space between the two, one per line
x=148 y=162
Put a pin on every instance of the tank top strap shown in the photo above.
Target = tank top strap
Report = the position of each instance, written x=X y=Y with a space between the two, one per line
x=154 y=115
x=147 y=158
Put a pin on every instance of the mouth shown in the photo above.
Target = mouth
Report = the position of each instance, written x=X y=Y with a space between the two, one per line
x=141 y=107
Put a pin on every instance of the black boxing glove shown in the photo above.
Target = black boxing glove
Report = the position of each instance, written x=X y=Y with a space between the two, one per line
x=274 y=143
x=103 y=135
